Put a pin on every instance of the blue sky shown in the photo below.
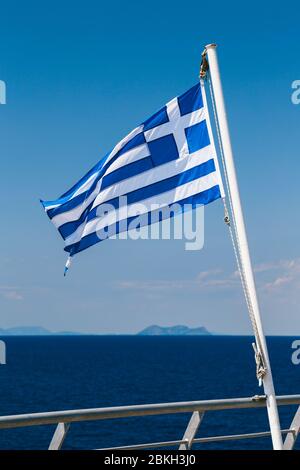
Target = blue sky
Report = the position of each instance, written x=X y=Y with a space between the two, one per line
x=79 y=76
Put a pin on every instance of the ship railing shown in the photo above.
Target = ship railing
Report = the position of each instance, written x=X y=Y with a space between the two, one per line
x=65 y=418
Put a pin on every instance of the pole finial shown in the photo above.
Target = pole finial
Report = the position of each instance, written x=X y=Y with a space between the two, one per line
x=204 y=65
x=211 y=46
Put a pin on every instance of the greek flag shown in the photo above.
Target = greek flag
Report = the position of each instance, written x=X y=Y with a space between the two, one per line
x=170 y=158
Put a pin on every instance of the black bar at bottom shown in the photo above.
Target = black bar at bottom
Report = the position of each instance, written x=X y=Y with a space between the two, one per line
x=146 y=459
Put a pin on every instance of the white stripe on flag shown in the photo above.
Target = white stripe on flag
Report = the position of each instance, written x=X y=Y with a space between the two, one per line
x=131 y=156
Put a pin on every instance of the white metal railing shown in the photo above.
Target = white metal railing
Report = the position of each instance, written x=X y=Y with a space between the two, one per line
x=63 y=419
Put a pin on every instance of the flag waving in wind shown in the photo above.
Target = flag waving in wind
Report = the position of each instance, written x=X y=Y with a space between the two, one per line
x=170 y=158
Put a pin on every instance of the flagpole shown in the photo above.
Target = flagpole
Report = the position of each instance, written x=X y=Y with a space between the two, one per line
x=243 y=243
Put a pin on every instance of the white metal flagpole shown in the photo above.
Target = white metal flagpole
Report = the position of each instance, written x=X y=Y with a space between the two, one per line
x=243 y=243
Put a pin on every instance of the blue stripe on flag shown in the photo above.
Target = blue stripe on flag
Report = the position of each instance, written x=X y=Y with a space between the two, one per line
x=203 y=198
x=68 y=228
x=162 y=186
x=159 y=118
x=137 y=140
x=127 y=171
x=190 y=100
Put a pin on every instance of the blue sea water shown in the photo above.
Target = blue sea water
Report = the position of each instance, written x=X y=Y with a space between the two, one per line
x=56 y=373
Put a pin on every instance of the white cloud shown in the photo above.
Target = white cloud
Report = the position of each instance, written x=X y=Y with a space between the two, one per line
x=285 y=274
x=264 y=267
x=10 y=293
x=204 y=280
x=270 y=276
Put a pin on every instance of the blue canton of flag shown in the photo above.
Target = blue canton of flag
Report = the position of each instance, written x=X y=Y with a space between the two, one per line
x=170 y=158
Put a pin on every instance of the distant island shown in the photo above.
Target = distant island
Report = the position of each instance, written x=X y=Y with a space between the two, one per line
x=153 y=330
x=32 y=331
x=176 y=330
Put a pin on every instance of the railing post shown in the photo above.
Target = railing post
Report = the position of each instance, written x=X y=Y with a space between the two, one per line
x=59 y=436
x=191 y=430
x=292 y=436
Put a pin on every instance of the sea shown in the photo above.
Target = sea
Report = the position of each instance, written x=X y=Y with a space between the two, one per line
x=49 y=373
